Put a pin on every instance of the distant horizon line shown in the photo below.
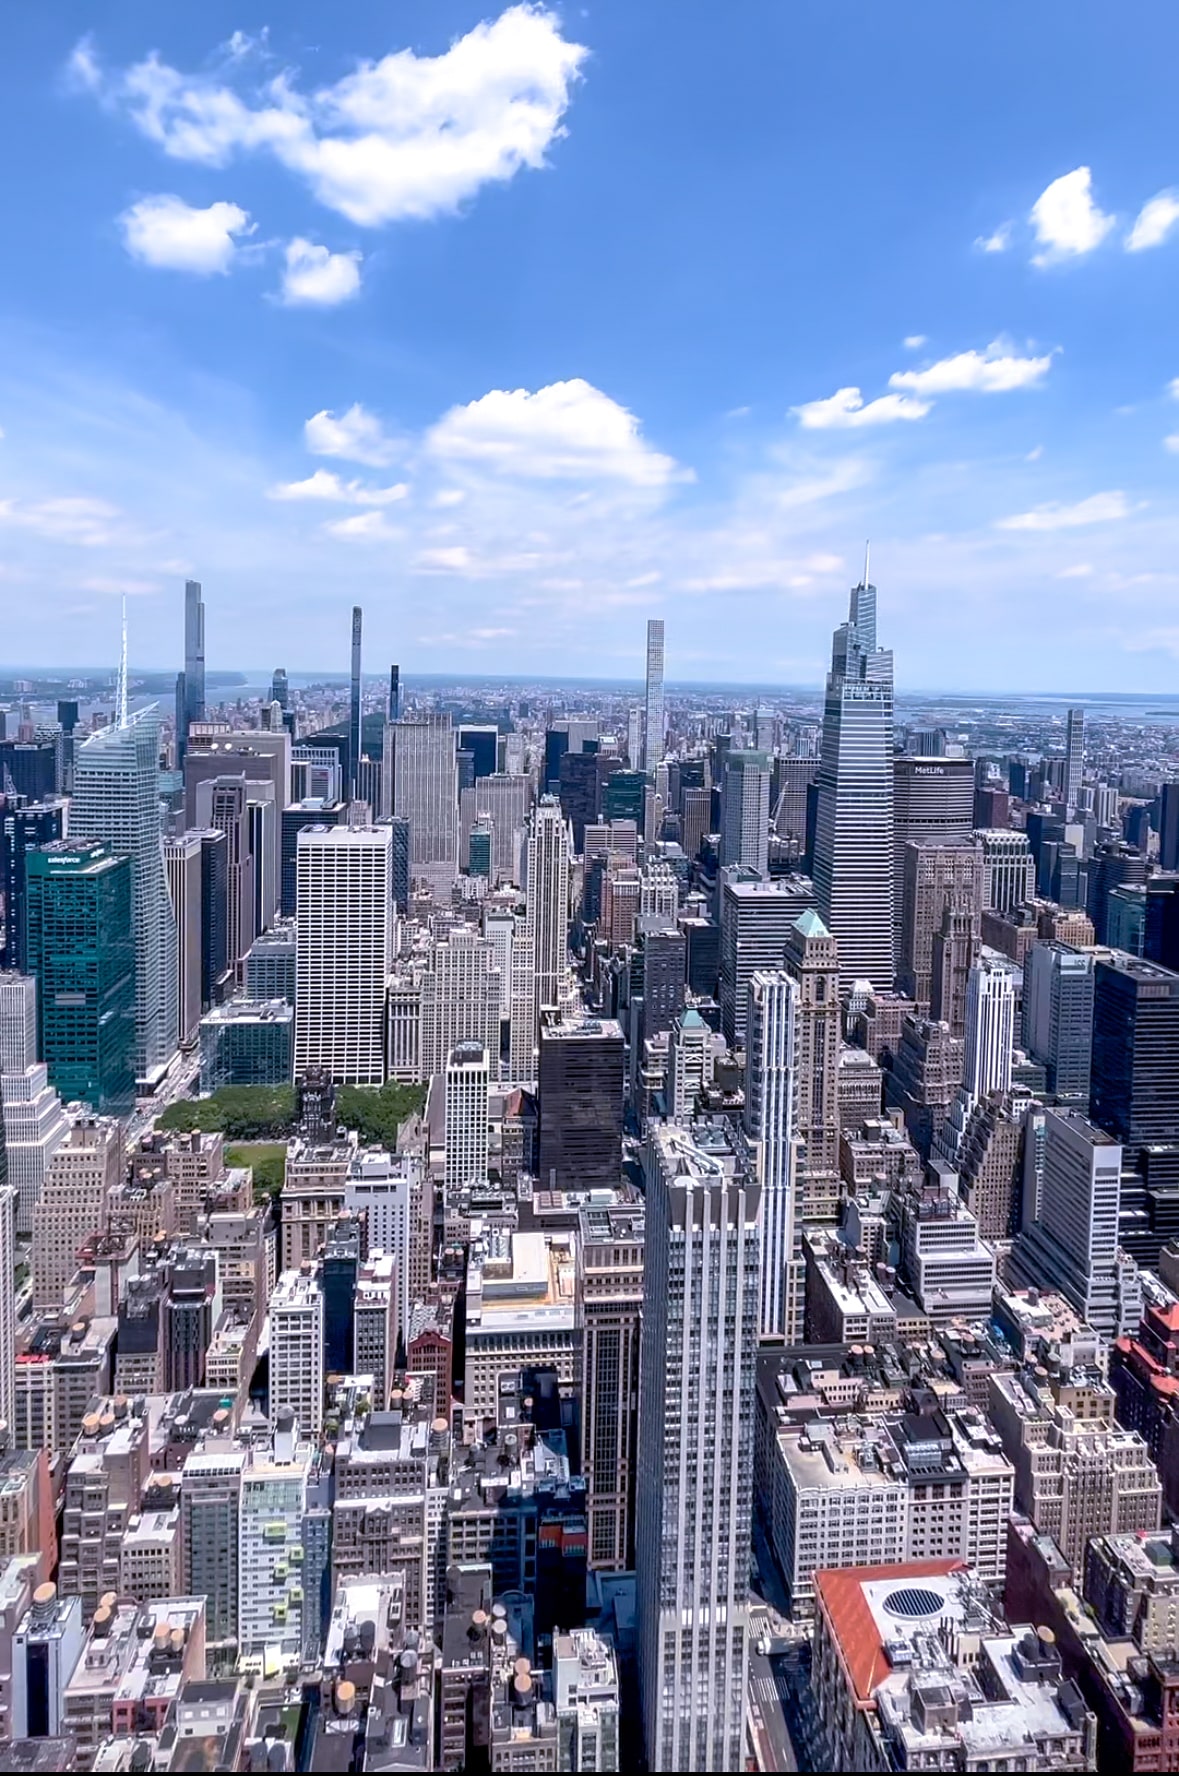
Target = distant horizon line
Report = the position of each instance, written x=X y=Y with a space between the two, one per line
x=248 y=676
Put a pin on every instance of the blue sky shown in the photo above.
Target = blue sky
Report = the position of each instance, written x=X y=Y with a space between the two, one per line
x=518 y=326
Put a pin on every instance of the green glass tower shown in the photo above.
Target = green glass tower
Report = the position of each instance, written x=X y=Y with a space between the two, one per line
x=81 y=948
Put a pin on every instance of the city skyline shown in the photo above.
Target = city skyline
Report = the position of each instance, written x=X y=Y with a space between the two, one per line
x=311 y=394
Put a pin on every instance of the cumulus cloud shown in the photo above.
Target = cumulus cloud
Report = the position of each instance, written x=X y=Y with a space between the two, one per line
x=998 y=242
x=356 y=436
x=314 y=277
x=567 y=431
x=323 y=485
x=996 y=370
x=846 y=407
x=405 y=136
x=1067 y=222
x=1154 y=223
x=1099 y=508
x=913 y=342
x=166 y=232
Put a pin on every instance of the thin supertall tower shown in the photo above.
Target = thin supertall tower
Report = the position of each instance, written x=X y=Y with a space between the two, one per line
x=354 y=722
x=190 y=687
x=653 y=723
x=1074 y=759
x=854 y=863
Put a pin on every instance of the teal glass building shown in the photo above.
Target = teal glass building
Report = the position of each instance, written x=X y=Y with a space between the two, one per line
x=81 y=948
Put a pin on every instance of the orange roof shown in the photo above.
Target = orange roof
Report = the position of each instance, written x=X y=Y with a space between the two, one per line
x=841 y=1590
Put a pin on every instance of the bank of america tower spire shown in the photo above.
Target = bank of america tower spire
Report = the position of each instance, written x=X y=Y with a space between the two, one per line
x=853 y=865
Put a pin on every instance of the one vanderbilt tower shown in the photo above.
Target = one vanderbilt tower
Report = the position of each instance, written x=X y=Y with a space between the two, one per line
x=853 y=867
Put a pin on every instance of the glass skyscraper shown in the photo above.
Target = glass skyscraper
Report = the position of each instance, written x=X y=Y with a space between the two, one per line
x=854 y=863
x=81 y=950
x=116 y=798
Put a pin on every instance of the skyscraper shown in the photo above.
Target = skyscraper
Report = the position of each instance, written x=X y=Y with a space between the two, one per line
x=933 y=803
x=344 y=933
x=355 y=732
x=653 y=714
x=990 y=1028
x=769 y=1126
x=280 y=692
x=1074 y=760
x=1072 y=1245
x=1169 y=826
x=701 y=1301
x=755 y=919
x=37 y=823
x=1134 y=1088
x=612 y=1284
x=580 y=1072
x=466 y=1119
x=82 y=951
x=182 y=861
x=296 y=1349
x=190 y=689
x=936 y=873
x=854 y=863
x=546 y=901
x=1058 y=1018
x=811 y=958
x=420 y=753
x=34 y=1122
x=7 y=1302
x=116 y=799
x=1008 y=869
x=745 y=811
x=394 y=693
x=222 y=803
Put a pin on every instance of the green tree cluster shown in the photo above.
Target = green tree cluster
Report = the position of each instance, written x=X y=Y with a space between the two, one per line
x=267 y=1112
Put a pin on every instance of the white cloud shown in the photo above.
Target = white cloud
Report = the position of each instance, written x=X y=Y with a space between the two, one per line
x=448 y=496
x=1099 y=508
x=1173 y=388
x=90 y=523
x=357 y=436
x=82 y=70
x=168 y=233
x=1171 y=442
x=406 y=136
x=361 y=527
x=313 y=276
x=323 y=485
x=846 y=408
x=1154 y=222
x=567 y=431
x=1067 y=221
x=1081 y=570
x=1035 y=453
x=913 y=342
x=998 y=242
x=240 y=44
x=994 y=371
x=452 y=560
x=840 y=477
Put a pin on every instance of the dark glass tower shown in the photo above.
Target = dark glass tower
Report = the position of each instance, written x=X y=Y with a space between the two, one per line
x=21 y=829
x=580 y=1104
x=82 y=952
x=1134 y=1091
